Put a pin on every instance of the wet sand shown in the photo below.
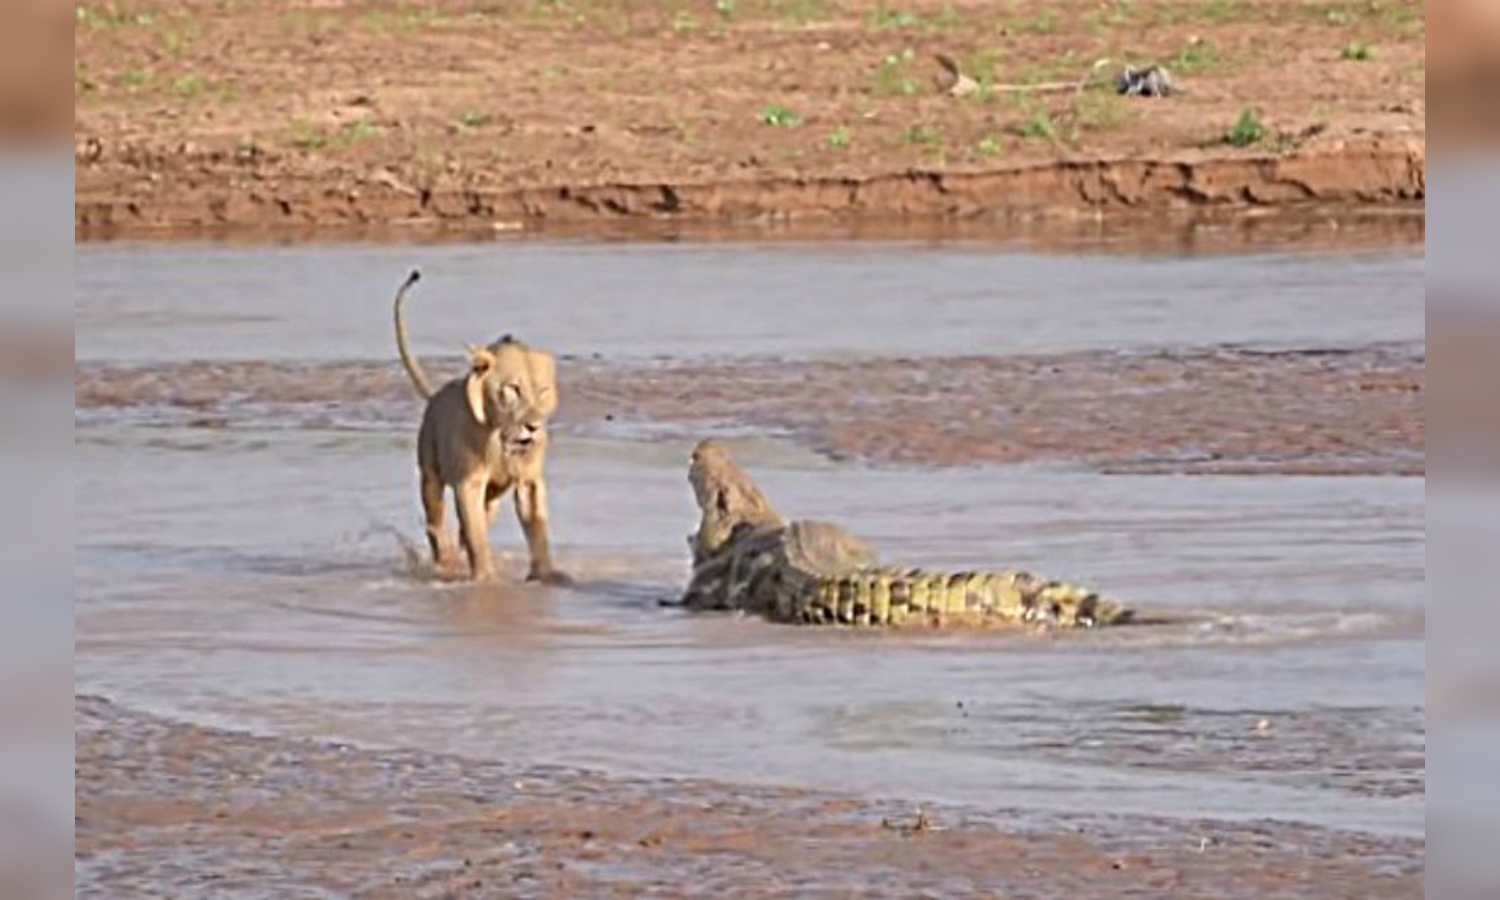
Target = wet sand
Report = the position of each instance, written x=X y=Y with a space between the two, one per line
x=186 y=810
x=1355 y=411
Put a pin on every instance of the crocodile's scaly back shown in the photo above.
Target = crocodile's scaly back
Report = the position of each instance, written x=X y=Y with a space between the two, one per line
x=893 y=596
x=746 y=558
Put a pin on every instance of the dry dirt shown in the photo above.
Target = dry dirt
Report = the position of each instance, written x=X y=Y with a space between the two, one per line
x=165 y=809
x=486 y=114
x=1223 y=410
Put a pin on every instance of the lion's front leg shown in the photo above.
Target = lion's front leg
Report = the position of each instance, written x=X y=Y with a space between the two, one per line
x=439 y=540
x=474 y=528
x=531 y=509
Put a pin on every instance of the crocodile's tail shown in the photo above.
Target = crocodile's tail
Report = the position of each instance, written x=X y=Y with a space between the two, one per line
x=913 y=596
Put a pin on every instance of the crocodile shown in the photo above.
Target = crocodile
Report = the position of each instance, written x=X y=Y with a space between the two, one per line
x=746 y=557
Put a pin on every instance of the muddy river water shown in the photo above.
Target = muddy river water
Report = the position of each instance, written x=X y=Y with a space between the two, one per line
x=255 y=572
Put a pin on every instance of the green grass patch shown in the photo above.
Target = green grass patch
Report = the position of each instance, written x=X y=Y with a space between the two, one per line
x=838 y=138
x=1110 y=16
x=1044 y=22
x=1247 y=130
x=135 y=79
x=884 y=17
x=800 y=13
x=1038 y=122
x=1099 y=111
x=1221 y=11
x=921 y=135
x=407 y=20
x=893 y=76
x=189 y=86
x=1392 y=16
x=109 y=18
x=473 y=119
x=1196 y=56
x=357 y=133
x=778 y=116
x=307 y=136
x=1357 y=51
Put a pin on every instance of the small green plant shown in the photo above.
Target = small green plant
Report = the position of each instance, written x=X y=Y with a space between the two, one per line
x=919 y=135
x=893 y=77
x=1098 y=111
x=473 y=119
x=1109 y=16
x=188 y=86
x=947 y=19
x=683 y=20
x=1221 y=11
x=838 y=138
x=884 y=17
x=358 y=132
x=805 y=12
x=401 y=21
x=1197 y=55
x=1044 y=22
x=725 y=8
x=1038 y=123
x=110 y=18
x=990 y=146
x=1357 y=51
x=307 y=136
x=1247 y=131
x=134 y=79
x=779 y=117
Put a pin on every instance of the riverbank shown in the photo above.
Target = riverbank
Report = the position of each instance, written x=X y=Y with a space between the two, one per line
x=467 y=115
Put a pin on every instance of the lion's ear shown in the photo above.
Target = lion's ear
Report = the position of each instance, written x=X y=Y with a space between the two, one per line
x=481 y=360
x=474 y=394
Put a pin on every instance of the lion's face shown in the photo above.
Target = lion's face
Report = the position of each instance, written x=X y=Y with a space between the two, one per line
x=523 y=426
x=516 y=394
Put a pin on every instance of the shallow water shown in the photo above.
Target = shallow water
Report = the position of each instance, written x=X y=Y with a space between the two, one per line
x=634 y=300
x=257 y=577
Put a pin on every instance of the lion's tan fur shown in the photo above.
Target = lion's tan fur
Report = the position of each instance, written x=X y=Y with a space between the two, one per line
x=482 y=434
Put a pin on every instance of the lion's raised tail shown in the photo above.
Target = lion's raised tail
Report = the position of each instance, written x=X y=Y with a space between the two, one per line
x=413 y=367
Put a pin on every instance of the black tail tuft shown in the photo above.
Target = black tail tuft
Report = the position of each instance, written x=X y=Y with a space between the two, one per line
x=413 y=278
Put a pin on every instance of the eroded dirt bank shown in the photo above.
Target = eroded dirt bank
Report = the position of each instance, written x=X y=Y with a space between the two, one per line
x=180 y=809
x=1212 y=410
x=195 y=113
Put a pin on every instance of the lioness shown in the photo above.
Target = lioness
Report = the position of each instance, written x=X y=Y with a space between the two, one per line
x=482 y=434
